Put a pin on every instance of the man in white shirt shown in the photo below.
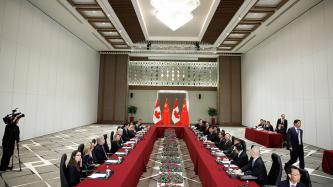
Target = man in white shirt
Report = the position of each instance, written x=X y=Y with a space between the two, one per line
x=295 y=142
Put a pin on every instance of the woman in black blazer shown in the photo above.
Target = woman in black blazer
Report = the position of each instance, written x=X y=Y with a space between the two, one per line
x=74 y=168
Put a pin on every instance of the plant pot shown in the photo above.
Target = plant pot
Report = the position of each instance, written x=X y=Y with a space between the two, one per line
x=131 y=118
x=213 y=121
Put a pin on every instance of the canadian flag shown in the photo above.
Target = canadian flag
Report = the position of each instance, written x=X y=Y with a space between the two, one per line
x=175 y=113
x=157 y=117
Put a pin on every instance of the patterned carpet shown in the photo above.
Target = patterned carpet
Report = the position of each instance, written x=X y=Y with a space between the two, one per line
x=41 y=157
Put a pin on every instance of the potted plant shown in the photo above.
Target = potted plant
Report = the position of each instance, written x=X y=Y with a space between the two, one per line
x=132 y=110
x=212 y=112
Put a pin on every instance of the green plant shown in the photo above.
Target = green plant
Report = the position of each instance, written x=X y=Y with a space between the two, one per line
x=132 y=110
x=212 y=112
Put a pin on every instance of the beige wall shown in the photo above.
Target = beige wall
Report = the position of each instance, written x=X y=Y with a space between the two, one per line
x=45 y=71
x=291 y=72
x=112 y=102
x=229 y=91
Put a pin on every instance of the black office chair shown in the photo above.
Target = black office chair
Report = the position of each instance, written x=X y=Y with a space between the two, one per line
x=111 y=137
x=242 y=142
x=305 y=177
x=81 y=148
x=63 y=171
x=274 y=175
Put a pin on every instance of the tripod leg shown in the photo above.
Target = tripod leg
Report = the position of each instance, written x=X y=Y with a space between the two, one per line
x=18 y=154
x=12 y=161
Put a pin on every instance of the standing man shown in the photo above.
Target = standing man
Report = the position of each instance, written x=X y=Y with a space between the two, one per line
x=295 y=142
x=282 y=121
x=12 y=134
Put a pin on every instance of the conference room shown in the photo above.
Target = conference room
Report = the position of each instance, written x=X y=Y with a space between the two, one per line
x=186 y=93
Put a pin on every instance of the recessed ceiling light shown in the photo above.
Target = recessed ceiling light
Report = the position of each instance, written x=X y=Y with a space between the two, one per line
x=108 y=15
x=239 y=18
x=119 y=30
x=103 y=23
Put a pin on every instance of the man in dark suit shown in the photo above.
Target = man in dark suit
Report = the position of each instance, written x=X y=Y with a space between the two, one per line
x=282 y=121
x=294 y=178
x=99 y=151
x=227 y=146
x=295 y=142
x=256 y=167
x=240 y=158
x=125 y=136
x=212 y=136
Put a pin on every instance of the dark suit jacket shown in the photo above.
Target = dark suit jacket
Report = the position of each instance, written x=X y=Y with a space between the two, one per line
x=240 y=160
x=292 y=137
x=227 y=146
x=285 y=183
x=269 y=128
x=115 y=145
x=125 y=135
x=285 y=124
x=73 y=175
x=258 y=170
x=100 y=154
x=131 y=134
x=212 y=137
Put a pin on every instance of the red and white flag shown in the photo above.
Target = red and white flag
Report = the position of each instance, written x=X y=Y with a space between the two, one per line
x=185 y=120
x=157 y=117
x=175 y=113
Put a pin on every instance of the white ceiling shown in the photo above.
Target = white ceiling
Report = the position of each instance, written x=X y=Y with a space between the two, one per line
x=64 y=14
x=153 y=29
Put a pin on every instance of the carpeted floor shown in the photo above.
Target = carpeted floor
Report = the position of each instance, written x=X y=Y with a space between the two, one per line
x=41 y=157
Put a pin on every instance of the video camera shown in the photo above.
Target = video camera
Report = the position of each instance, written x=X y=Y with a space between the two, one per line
x=9 y=118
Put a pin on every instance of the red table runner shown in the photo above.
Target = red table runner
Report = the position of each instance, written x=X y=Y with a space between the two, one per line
x=127 y=174
x=210 y=173
x=265 y=138
x=327 y=163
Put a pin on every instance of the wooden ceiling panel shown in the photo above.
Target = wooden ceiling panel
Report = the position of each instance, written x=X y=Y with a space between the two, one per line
x=128 y=18
x=224 y=13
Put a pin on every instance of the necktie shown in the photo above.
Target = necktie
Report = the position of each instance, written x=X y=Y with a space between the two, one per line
x=299 y=136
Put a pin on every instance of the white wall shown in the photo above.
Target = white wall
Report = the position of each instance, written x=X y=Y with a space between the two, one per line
x=292 y=72
x=145 y=101
x=45 y=71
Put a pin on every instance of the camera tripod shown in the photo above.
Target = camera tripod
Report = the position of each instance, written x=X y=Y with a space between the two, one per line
x=18 y=154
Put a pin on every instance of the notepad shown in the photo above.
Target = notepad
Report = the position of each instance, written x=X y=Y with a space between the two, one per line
x=231 y=166
x=114 y=161
x=97 y=175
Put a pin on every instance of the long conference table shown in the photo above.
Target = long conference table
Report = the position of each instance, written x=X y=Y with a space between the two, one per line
x=127 y=174
x=266 y=138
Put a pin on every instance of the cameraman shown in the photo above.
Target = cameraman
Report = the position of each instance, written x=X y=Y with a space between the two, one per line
x=12 y=134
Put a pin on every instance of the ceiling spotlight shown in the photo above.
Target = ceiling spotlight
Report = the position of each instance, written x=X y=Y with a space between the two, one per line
x=119 y=31
x=108 y=15
x=197 y=46
x=148 y=45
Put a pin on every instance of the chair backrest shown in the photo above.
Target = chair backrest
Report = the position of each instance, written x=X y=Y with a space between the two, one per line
x=81 y=148
x=242 y=142
x=63 y=171
x=274 y=175
x=111 y=136
x=305 y=177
